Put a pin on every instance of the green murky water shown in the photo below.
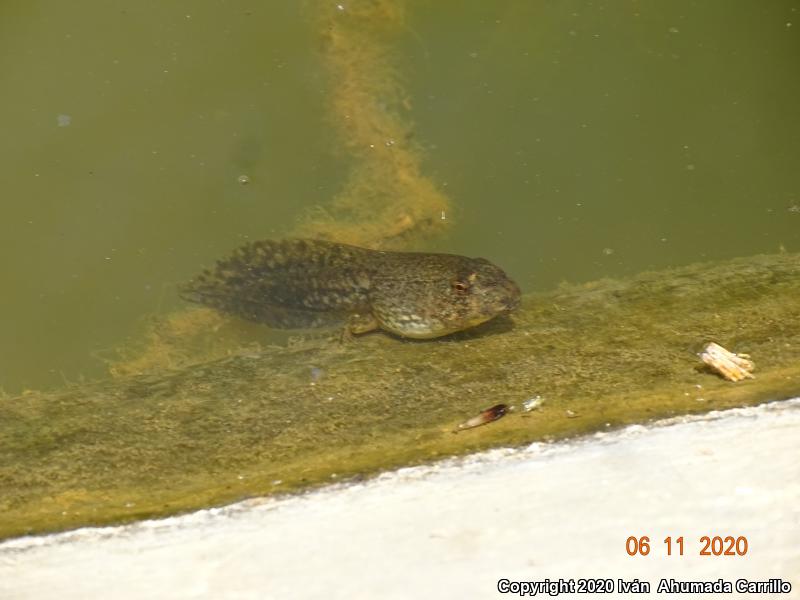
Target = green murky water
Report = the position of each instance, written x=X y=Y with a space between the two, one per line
x=586 y=139
x=126 y=128
x=576 y=140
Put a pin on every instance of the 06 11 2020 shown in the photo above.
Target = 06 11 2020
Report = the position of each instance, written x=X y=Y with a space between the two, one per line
x=709 y=545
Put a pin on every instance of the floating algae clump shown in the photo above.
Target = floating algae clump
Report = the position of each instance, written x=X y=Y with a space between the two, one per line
x=387 y=201
x=604 y=354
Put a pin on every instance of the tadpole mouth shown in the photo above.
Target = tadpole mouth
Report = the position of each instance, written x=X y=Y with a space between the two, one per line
x=512 y=304
x=503 y=306
x=513 y=297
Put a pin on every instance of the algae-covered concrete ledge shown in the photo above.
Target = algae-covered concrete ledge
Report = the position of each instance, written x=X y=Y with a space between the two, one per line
x=602 y=355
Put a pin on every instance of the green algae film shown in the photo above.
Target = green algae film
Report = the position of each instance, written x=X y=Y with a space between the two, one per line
x=286 y=419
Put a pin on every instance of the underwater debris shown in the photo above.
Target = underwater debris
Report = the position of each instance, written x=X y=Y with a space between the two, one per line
x=733 y=367
x=534 y=403
x=487 y=416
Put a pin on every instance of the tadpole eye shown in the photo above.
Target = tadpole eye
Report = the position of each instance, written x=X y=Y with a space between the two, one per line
x=459 y=286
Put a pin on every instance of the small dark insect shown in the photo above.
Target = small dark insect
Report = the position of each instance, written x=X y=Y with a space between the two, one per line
x=487 y=416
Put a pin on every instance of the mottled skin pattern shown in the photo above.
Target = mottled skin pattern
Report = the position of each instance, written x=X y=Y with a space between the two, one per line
x=311 y=283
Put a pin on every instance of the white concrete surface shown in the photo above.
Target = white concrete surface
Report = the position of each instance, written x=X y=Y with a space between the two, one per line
x=452 y=530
